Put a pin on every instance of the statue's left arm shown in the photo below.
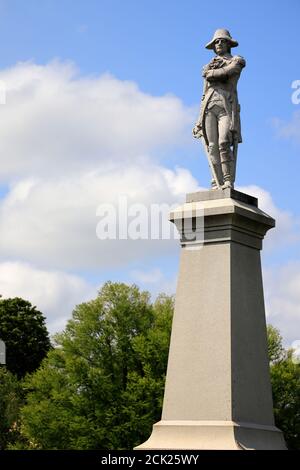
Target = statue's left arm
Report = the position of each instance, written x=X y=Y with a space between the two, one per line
x=234 y=68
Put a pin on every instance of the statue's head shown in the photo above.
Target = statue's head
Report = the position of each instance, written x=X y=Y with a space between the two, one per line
x=222 y=46
x=222 y=42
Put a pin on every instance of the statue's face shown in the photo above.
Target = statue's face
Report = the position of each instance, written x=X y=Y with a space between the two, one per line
x=221 y=46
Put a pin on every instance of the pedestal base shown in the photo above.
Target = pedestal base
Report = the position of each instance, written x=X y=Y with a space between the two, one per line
x=213 y=435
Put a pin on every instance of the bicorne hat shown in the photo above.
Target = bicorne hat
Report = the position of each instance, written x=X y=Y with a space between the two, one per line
x=222 y=34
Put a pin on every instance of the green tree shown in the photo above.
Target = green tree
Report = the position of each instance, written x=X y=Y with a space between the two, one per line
x=22 y=328
x=102 y=386
x=10 y=402
x=275 y=348
x=285 y=378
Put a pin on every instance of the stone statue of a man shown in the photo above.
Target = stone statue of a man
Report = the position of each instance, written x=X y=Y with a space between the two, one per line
x=218 y=124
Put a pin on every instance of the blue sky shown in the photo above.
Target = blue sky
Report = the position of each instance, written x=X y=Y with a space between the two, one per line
x=158 y=46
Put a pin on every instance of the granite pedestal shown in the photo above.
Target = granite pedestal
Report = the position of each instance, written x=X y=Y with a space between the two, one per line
x=218 y=391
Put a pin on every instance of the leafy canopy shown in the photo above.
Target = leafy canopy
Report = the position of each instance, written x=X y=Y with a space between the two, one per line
x=22 y=328
x=102 y=386
x=285 y=378
x=10 y=402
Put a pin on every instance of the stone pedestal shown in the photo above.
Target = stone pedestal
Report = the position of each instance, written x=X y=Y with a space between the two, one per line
x=218 y=391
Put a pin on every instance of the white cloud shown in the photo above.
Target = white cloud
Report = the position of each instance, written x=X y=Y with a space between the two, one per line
x=289 y=130
x=52 y=223
x=54 y=293
x=287 y=229
x=69 y=143
x=58 y=122
x=147 y=277
x=155 y=281
x=282 y=296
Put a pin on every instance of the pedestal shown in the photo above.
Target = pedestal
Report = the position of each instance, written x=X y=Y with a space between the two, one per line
x=218 y=392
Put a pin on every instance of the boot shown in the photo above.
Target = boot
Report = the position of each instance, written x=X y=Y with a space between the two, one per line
x=218 y=171
x=226 y=167
x=232 y=172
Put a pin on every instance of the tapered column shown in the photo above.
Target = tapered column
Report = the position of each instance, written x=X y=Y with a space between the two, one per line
x=218 y=392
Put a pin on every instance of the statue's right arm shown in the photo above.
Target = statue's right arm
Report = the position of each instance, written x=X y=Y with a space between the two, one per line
x=197 y=130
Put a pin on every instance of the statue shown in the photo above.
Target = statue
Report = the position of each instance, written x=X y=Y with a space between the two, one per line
x=218 y=125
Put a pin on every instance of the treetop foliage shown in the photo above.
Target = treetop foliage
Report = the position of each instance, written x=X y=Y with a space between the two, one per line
x=22 y=328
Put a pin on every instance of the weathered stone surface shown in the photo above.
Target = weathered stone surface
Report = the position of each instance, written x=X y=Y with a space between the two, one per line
x=221 y=194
